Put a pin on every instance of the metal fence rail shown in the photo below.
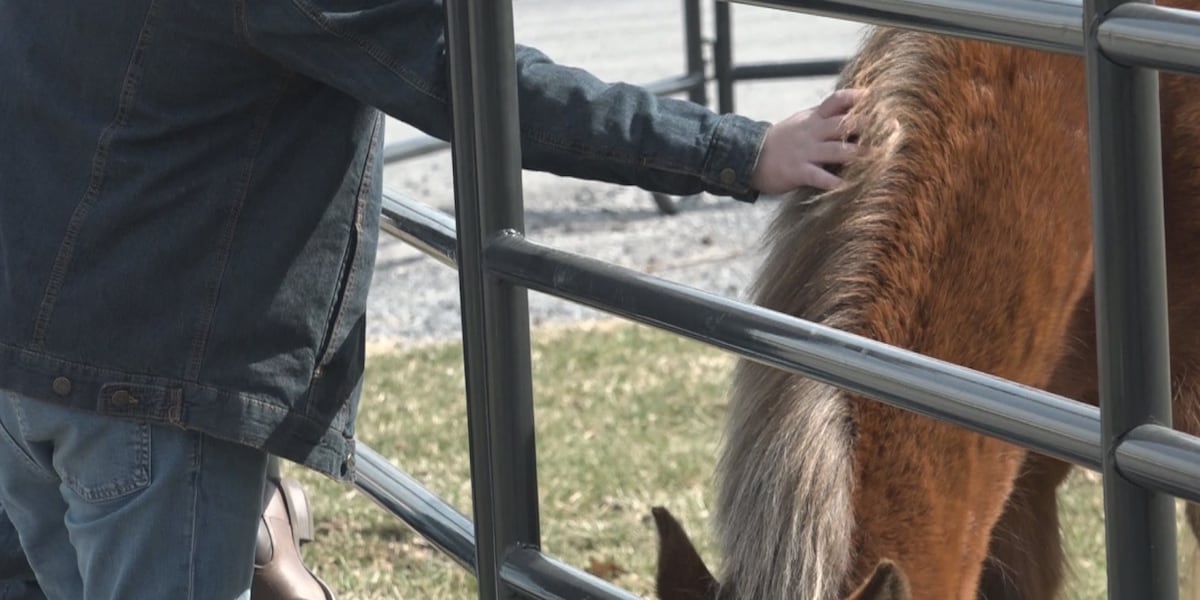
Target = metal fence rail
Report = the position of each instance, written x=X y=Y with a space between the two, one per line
x=1128 y=438
x=694 y=81
x=728 y=73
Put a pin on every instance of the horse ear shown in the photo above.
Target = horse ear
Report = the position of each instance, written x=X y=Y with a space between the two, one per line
x=682 y=574
x=888 y=582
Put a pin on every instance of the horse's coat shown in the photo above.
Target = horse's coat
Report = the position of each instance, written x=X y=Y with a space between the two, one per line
x=964 y=233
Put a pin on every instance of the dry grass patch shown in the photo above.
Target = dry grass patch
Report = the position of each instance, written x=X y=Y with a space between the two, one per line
x=627 y=417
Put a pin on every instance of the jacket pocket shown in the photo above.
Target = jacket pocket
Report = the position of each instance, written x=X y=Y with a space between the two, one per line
x=343 y=315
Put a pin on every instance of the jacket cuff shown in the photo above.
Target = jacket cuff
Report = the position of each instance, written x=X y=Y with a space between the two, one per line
x=732 y=156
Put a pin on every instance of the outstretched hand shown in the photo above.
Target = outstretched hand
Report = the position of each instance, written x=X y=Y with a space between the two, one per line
x=796 y=148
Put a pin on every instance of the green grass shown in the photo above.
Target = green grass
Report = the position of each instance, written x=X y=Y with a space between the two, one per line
x=627 y=418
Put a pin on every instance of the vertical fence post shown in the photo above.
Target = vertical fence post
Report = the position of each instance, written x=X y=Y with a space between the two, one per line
x=693 y=40
x=723 y=56
x=495 y=314
x=1131 y=308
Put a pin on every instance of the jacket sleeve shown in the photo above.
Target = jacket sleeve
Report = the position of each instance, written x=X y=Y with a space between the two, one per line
x=391 y=54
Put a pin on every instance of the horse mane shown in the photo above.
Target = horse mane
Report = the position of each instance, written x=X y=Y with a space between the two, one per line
x=785 y=470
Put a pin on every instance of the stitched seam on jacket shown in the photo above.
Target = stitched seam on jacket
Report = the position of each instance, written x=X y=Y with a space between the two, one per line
x=376 y=52
x=23 y=354
x=713 y=144
x=364 y=181
x=240 y=30
x=62 y=262
x=587 y=151
x=203 y=329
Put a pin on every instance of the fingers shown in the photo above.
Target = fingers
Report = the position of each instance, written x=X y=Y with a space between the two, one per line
x=839 y=102
x=835 y=128
x=819 y=178
x=796 y=147
x=835 y=152
x=829 y=153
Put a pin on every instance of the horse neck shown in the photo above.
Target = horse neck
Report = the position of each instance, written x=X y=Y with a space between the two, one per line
x=963 y=233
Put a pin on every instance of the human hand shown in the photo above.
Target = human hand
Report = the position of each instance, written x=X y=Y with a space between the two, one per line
x=796 y=148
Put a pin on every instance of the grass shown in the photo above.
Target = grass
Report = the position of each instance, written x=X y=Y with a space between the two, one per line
x=627 y=417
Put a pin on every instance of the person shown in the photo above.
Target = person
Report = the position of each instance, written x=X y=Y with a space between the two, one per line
x=189 y=207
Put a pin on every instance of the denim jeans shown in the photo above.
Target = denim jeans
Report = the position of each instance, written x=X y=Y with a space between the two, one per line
x=184 y=507
x=17 y=581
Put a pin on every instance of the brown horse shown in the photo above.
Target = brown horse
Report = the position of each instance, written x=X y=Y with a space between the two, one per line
x=963 y=233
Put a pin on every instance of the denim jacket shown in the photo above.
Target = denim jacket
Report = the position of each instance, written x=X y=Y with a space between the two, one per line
x=190 y=197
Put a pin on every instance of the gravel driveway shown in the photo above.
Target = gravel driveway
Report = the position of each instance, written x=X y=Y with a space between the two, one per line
x=712 y=244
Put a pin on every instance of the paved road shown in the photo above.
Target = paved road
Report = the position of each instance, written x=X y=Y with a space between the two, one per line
x=711 y=245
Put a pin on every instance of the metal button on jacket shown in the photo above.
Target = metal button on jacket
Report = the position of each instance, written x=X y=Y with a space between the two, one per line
x=122 y=399
x=61 y=386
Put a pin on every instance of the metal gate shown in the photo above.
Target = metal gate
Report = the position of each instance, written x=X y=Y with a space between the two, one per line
x=1129 y=439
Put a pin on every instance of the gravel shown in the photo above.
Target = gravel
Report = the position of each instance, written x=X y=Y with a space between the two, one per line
x=713 y=244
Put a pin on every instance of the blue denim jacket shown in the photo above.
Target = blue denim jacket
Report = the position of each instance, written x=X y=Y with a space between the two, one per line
x=190 y=195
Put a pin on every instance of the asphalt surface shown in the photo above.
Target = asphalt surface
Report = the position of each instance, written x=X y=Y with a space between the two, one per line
x=713 y=244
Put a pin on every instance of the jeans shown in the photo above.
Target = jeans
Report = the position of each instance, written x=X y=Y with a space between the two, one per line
x=111 y=509
x=17 y=581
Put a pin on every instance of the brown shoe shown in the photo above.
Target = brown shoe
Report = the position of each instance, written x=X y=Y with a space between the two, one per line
x=279 y=572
